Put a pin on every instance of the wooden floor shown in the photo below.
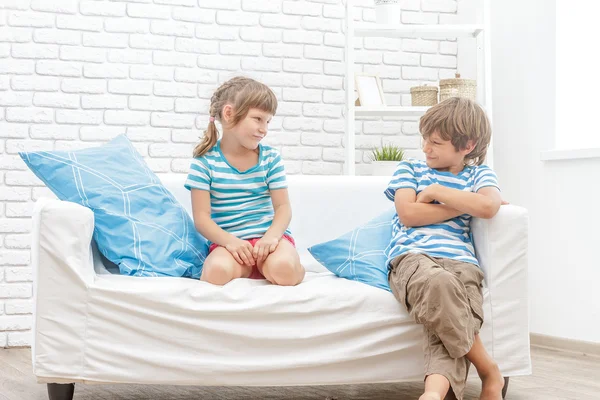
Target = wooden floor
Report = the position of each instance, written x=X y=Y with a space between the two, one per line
x=556 y=376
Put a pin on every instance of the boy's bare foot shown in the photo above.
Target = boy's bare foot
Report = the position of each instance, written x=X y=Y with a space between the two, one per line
x=430 y=396
x=492 y=383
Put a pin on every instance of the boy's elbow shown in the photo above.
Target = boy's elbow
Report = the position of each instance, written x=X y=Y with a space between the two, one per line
x=405 y=217
x=406 y=221
x=490 y=210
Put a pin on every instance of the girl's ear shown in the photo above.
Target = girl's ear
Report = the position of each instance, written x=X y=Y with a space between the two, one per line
x=227 y=113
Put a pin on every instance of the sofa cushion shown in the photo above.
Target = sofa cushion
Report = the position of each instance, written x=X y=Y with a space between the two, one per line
x=359 y=255
x=138 y=225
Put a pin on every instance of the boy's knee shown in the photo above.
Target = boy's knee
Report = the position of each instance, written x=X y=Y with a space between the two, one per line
x=444 y=284
x=441 y=297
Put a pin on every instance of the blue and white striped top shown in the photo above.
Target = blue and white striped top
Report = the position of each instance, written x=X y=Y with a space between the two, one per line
x=240 y=201
x=450 y=239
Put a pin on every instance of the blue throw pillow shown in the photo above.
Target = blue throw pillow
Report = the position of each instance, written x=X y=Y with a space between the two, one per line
x=139 y=225
x=359 y=255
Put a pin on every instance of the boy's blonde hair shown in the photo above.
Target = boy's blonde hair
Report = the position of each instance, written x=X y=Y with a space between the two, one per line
x=242 y=94
x=459 y=120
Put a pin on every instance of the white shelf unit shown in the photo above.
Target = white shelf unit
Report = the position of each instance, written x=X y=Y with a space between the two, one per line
x=480 y=31
x=363 y=29
x=389 y=111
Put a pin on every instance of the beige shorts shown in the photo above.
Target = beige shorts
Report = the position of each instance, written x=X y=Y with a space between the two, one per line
x=445 y=296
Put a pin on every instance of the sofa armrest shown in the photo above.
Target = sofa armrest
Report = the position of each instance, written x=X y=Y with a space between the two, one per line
x=501 y=246
x=63 y=269
x=62 y=237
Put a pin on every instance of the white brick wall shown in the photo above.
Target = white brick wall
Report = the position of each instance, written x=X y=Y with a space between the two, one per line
x=76 y=73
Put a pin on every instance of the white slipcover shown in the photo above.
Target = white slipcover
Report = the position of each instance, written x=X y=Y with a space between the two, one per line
x=92 y=326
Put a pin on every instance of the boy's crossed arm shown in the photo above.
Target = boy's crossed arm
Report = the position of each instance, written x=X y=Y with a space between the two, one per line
x=485 y=203
x=414 y=211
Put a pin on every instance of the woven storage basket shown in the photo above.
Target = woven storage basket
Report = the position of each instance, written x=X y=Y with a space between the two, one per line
x=424 y=95
x=458 y=87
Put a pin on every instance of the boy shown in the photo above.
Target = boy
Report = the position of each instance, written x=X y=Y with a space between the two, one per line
x=433 y=269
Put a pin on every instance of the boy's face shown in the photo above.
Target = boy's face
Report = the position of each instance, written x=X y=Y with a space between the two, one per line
x=440 y=154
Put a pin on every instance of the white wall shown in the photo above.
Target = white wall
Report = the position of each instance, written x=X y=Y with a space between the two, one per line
x=561 y=196
x=75 y=73
x=577 y=31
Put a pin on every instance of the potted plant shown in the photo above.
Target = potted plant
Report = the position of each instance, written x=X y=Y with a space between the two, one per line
x=385 y=159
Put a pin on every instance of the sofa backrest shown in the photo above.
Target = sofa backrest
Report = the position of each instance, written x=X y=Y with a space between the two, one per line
x=323 y=207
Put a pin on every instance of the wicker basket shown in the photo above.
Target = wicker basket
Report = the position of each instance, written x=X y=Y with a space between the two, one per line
x=458 y=88
x=424 y=95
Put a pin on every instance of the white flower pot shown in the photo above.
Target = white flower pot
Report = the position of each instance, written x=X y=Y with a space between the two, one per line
x=387 y=11
x=383 y=168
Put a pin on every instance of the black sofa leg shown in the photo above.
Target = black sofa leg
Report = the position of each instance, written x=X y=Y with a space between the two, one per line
x=505 y=388
x=59 y=391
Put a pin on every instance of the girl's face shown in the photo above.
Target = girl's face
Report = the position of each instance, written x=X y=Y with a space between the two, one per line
x=252 y=129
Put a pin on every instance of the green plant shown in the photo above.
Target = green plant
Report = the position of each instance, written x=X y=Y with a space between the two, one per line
x=388 y=152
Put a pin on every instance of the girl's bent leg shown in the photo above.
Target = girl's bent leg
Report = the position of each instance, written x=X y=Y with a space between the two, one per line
x=282 y=267
x=220 y=268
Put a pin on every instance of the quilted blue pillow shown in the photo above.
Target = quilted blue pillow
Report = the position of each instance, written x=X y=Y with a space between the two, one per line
x=139 y=225
x=359 y=255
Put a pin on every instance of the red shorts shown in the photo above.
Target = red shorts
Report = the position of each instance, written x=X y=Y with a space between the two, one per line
x=256 y=273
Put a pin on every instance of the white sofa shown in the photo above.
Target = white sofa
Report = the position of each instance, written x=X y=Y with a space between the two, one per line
x=92 y=326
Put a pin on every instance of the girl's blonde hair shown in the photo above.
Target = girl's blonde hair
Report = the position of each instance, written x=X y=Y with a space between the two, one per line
x=459 y=120
x=242 y=94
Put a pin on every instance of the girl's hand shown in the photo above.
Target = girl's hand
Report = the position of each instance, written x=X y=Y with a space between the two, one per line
x=263 y=247
x=241 y=250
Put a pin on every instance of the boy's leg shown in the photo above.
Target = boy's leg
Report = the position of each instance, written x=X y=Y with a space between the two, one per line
x=439 y=364
x=492 y=381
x=436 y=299
x=435 y=386
x=472 y=277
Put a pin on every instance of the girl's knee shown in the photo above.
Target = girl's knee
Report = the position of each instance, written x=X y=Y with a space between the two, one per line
x=218 y=273
x=284 y=272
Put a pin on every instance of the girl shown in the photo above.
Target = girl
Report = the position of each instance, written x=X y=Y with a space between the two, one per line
x=239 y=191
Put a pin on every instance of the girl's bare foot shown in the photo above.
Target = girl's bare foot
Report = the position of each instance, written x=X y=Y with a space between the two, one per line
x=492 y=383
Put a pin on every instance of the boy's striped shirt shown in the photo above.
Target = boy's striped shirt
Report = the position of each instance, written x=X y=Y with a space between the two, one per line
x=450 y=239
